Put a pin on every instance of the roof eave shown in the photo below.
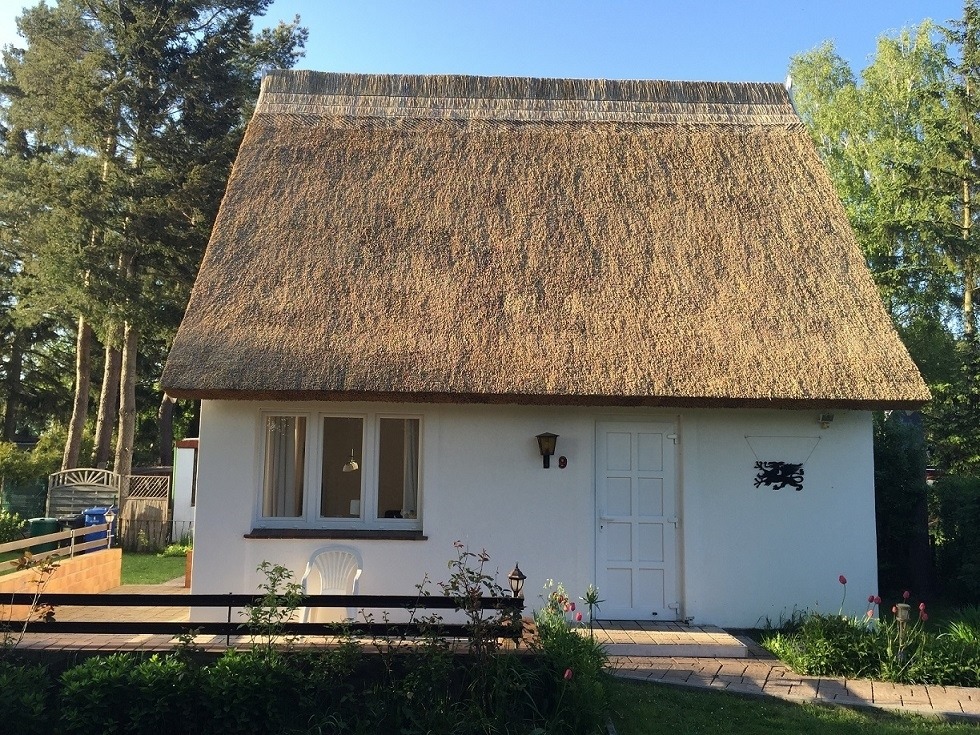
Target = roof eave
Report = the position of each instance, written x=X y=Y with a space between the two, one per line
x=863 y=404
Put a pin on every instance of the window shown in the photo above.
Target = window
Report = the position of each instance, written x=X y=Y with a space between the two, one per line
x=362 y=471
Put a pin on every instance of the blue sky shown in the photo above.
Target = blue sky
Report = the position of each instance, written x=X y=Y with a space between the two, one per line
x=724 y=40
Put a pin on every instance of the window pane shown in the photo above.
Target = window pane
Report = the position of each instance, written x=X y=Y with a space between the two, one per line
x=340 y=491
x=285 y=455
x=398 y=468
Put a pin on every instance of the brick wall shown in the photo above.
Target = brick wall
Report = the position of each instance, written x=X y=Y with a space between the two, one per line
x=97 y=571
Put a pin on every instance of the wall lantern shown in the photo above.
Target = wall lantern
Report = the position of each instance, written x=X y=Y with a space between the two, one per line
x=825 y=419
x=110 y=517
x=516 y=579
x=546 y=443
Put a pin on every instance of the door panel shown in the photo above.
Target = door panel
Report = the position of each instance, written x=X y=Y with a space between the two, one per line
x=636 y=523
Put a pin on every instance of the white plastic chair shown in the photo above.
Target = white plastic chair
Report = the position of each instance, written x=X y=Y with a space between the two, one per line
x=332 y=570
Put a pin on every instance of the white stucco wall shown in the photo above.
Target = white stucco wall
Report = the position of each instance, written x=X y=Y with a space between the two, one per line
x=745 y=553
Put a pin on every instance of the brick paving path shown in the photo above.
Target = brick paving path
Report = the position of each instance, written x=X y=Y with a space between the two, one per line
x=762 y=674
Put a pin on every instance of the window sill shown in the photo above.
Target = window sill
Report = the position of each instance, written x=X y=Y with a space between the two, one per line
x=380 y=534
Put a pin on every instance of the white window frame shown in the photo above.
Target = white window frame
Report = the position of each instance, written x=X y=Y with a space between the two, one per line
x=367 y=459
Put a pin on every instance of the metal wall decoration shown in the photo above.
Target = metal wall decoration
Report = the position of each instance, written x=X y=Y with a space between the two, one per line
x=778 y=475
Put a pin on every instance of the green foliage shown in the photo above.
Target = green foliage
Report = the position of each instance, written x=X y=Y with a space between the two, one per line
x=900 y=494
x=956 y=509
x=21 y=466
x=11 y=526
x=237 y=689
x=830 y=645
x=573 y=686
x=119 y=128
x=176 y=550
x=92 y=695
x=265 y=619
x=26 y=695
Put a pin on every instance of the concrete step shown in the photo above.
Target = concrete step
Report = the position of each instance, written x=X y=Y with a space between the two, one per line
x=673 y=640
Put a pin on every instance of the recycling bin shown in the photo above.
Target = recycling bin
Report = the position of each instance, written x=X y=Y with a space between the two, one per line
x=41 y=527
x=96 y=517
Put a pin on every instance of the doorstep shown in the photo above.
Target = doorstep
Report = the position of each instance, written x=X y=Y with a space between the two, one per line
x=673 y=640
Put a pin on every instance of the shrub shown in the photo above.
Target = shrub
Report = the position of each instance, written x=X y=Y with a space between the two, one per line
x=92 y=695
x=27 y=701
x=11 y=526
x=176 y=550
x=956 y=507
x=829 y=645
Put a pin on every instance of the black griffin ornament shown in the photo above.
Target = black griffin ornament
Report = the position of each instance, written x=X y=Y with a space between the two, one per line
x=778 y=475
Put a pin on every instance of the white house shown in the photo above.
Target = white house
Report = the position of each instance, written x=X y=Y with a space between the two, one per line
x=419 y=275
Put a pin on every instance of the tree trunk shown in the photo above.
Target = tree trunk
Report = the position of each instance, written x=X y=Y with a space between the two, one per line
x=968 y=274
x=108 y=401
x=127 y=410
x=13 y=386
x=165 y=432
x=83 y=370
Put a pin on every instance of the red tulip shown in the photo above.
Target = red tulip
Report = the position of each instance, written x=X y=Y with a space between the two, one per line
x=922 y=606
x=578 y=617
x=871 y=599
x=906 y=595
x=842 y=579
x=877 y=600
x=923 y=616
x=568 y=674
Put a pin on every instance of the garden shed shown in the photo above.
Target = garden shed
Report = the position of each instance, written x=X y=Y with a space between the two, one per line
x=411 y=278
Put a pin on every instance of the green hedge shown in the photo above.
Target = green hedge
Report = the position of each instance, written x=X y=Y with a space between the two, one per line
x=349 y=689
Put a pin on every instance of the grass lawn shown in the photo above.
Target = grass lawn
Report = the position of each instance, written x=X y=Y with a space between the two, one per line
x=150 y=568
x=639 y=708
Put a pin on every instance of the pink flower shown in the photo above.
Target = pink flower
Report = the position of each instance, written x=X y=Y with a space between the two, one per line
x=877 y=600
x=906 y=595
x=869 y=613
x=842 y=579
x=578 y=617
x=923 y=616
x=895 y=609
x=571 y=606
x=922 y=606
x=568 y=674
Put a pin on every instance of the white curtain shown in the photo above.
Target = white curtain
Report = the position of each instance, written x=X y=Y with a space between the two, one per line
x=410 y=470
x=285 y=452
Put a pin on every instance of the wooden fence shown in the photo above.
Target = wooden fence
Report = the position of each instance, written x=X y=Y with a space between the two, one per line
x=61 y=543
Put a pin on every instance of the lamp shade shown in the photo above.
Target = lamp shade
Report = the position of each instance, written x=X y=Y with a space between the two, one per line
x=546 y=443
x=516 y=579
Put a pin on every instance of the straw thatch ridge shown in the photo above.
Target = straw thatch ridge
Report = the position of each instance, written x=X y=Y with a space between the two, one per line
x=523 y=99
x=535 y=258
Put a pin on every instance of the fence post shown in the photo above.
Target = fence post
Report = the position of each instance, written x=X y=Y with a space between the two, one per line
x=228 y=631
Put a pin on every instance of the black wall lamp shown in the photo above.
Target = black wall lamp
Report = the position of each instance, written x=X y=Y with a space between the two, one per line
x=546 y=443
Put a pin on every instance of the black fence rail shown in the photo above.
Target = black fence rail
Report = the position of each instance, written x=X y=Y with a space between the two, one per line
x=511 y=627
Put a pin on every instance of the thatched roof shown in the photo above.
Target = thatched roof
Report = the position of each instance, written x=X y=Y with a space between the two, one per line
x=534 y=241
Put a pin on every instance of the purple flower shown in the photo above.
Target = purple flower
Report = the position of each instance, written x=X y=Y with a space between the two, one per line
x=842 y=579
x=906 y=595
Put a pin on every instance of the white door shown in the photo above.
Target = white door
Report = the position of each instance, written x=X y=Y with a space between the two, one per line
x=636 y=521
